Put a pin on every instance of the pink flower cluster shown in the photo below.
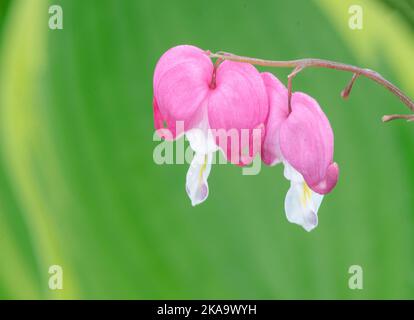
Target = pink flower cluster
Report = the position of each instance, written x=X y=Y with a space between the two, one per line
x=235 y=96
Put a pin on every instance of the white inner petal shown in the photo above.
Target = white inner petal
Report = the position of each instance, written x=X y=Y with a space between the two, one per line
x=196 y=182
x=202 y=142
x=291 y=174
x=301 y=203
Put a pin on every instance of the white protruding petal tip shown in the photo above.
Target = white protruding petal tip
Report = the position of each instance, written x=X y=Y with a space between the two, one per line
x=301 y=203
x=203 y=144
x=196 y=182
x=310 y=221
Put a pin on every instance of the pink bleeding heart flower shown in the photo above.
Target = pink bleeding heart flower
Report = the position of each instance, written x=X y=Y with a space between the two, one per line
x=208 y=101
x=303 y=140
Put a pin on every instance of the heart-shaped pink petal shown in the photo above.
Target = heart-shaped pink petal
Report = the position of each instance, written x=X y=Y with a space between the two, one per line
x=238 y=104
x=307 y=143
x=181 y=84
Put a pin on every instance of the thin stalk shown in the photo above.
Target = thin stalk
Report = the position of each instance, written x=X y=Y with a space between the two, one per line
x=301 y=64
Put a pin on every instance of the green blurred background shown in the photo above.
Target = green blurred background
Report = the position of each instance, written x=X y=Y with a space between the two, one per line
x=79 y=188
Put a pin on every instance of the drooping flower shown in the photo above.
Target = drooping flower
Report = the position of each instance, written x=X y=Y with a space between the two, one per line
x=189 y=89
x=303 y=140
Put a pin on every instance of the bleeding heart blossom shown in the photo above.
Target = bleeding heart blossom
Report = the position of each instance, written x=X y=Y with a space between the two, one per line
x=303 y=140
x=189 y=89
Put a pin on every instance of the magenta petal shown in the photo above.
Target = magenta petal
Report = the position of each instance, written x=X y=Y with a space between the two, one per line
x=166 y=128
x=307 y=143
x=181 y=83
x=238 y=102
x=278 y=112
x=330 y=180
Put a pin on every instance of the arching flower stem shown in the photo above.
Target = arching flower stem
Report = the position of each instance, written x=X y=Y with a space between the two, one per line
x=301 y=64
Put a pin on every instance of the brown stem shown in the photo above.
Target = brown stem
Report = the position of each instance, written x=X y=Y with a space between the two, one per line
x=390 y=117
x=345 y=93
x=309 y=62
x=213 y=77
x=290 y=78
